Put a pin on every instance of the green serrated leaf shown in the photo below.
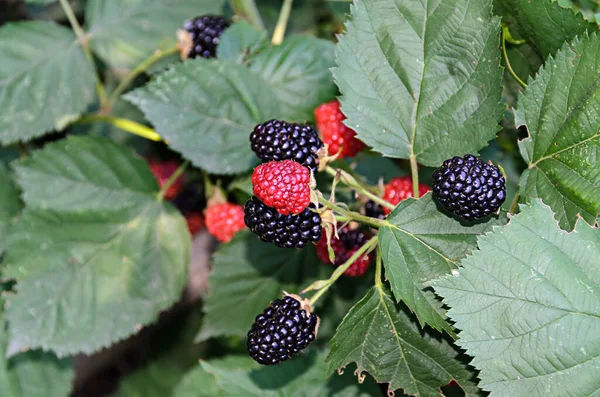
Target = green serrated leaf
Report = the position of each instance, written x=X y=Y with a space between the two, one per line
x=198 y=383
x=383 y=341
x=240 y=41
x=85 y=174
x=305 y=375
x=10 y=204
x=45 y=79
x=421 y=243
x=544 y=24
x=561 y=109
x=89 y=274
x=421 y=78
x=206 y=110
x=32 y=374
x=528 y=305
x=298 y=72
x=248 y=274
x=125 y=32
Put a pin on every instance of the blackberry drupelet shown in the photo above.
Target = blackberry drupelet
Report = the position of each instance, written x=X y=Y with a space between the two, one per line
x=469 y=188
x=190 y=199
x=278 y=140
x=283 y=329
x=374 y=210
x=285 y=231
x=206 y=31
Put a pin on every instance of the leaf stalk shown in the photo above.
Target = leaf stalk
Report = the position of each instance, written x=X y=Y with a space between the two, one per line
x=369 y=245
x=84 y=41
x=505 y=37
x=124 y=124
x=284 y=16
x=141 y=68
x=351 y=182
x=163 y=190
x=414 y=171
x=351 y=215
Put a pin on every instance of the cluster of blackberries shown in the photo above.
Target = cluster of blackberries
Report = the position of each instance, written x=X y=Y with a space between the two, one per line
x=277 y=140
x=282 y=330
x=206 y=31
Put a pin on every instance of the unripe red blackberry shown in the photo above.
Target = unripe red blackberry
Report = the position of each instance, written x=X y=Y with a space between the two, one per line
x=283 y=329
x=469 y=188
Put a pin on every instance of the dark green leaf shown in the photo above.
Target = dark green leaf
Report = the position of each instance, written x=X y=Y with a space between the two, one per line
x=248 y=275
x=9 y=204
x=421 y=79
x=544 y=24
x=305 y=375
x=96 y=261
x=206 y=110
x=298 y=73
x=125 y=32
x=45 y=80
x=421 y=243
x=32 y=374
x=561 y=109
x=528 y=305
x=239 y=41
x=383 y=341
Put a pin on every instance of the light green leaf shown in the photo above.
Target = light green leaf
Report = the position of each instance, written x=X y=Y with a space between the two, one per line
x=239 y=41
x=305 y=375
x=248 y=274
x=528 y=305
x=206 y=110
x=298 y=72
x=10 y=204
x=561 y=109
x=32 y=374
x=87 y=274
x=421 y=78
x=421 y=243
x=45 y=80
x=383 y=341
x=125 y=32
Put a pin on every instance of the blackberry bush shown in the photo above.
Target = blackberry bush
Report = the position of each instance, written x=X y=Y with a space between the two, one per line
x=162 y=182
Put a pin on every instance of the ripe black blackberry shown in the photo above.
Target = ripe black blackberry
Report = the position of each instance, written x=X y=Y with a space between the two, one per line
x=283 y=329
x=374 y=210
x=469 y=188
x=278 y=140
x=285 y=231
x=191 y=198
x=354 y=238
x=206 y=31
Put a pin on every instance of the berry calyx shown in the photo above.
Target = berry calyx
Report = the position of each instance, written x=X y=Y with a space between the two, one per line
x=401 y=188
x=329 y=119
x=285 y=231
x=469 y=188
x=224 y=220
x=162 y=171
x=284 y=328
x=205 y=32
x=283 y=185
x=344 y=247
x=195 y=222
x=277 y=140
